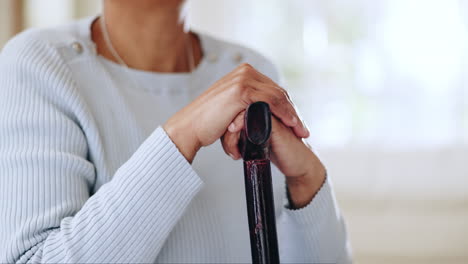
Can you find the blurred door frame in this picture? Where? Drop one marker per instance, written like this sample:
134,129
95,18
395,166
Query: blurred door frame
11,19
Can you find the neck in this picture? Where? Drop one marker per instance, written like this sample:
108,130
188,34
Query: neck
147,35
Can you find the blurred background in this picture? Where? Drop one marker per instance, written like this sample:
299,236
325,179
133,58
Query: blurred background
383,86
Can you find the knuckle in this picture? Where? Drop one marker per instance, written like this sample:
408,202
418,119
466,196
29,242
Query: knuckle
242,92
246,65
244,71
283,97
281,90
242,79
239,88
246,68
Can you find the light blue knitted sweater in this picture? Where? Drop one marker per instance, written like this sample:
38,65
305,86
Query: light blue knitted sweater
87,174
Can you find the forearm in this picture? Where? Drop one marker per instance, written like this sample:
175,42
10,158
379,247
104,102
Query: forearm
130,214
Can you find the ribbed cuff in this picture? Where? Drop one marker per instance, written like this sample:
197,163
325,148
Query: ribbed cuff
315,233
322,208
158,159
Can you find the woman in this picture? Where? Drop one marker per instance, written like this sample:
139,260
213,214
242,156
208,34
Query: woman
100,123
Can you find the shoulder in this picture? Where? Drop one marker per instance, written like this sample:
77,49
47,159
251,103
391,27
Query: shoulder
39,45
35,69
37,61
241,54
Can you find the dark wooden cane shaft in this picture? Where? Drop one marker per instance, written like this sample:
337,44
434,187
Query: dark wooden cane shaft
254,147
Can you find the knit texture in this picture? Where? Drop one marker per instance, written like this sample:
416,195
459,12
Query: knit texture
88,175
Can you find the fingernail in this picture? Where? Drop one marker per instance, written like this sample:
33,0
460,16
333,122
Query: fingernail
232,156
232,127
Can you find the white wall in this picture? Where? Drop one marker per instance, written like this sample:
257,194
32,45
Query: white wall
403,207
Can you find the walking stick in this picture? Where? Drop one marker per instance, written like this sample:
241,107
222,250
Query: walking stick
254,146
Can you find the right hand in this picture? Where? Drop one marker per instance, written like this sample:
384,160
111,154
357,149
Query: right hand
207,118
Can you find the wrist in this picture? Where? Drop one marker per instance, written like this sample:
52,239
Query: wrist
303,188
184,139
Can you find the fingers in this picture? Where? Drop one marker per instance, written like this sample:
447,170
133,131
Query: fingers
229,142
279,103
238,123
249,86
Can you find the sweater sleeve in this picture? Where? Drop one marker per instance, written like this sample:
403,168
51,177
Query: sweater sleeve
47,212
315,233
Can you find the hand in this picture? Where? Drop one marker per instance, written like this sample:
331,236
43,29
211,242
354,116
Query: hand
206,119
304,172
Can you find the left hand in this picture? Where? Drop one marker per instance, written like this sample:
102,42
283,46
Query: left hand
304,172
